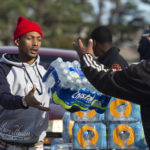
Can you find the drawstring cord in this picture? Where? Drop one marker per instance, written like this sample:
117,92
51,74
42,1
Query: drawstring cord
40,93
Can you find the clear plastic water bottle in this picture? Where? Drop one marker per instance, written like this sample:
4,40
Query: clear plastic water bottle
66,83
88,135
78,84
121,108
124,135
56,62
70,75
62,66
50,82
65,72
69,64
75,63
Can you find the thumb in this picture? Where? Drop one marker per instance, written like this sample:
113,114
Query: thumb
33,90
90,44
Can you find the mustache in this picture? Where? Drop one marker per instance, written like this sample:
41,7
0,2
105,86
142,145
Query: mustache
34,48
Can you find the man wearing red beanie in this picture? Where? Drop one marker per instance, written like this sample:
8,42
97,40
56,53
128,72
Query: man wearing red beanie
24,100
24,26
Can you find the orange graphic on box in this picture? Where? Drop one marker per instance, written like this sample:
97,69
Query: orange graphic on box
90,114
117,139
80,137
114,104
71,123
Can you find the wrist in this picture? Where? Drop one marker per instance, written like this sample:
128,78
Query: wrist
24,103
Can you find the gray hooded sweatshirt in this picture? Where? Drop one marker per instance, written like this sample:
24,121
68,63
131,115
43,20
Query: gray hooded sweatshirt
18,124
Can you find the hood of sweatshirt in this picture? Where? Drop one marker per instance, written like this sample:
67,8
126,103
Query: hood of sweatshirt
32,71
13,59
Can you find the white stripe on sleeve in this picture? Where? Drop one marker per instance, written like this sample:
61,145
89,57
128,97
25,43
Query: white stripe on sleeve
88,59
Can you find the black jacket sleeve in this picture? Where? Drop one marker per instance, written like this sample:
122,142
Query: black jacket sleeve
131,83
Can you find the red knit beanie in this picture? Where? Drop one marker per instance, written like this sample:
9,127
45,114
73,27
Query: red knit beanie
24,26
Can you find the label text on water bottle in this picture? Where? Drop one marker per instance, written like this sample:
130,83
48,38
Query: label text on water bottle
78,95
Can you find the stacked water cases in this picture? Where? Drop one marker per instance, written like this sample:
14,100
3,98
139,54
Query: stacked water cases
83,130
124,125
89,131
120,127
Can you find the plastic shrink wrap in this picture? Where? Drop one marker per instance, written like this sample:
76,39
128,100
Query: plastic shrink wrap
70,88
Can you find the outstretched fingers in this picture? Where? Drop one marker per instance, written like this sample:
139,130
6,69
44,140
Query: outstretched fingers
76,47
81,49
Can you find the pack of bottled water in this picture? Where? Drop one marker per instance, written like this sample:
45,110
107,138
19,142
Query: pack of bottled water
71,75
70,87
126,136
89,135
122,110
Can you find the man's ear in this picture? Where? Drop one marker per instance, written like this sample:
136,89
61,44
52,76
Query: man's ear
94,43
16,42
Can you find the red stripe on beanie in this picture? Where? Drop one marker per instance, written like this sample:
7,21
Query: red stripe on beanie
24,26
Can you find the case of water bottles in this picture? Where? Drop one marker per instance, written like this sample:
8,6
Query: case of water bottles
70,88
128,135
122,110
71,75
89,135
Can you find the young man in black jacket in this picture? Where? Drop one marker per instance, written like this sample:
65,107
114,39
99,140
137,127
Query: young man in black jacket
104,49
131,83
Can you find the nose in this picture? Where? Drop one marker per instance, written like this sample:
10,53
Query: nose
35,42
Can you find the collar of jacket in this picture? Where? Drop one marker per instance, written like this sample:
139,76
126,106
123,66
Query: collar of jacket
111,52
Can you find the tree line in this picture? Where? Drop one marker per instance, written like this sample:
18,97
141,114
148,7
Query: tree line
64,21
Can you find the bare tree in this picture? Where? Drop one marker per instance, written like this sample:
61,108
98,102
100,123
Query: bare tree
100,13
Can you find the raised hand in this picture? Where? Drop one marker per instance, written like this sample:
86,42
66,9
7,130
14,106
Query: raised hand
31,101
81,49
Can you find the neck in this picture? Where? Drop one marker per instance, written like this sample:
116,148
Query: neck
26,59
102,49
107,46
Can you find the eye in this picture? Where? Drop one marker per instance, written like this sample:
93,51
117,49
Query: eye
39,39
28,38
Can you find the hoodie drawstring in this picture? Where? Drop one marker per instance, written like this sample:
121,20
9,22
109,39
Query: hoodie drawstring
39,92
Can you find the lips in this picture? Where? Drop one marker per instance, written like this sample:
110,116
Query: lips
34,51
